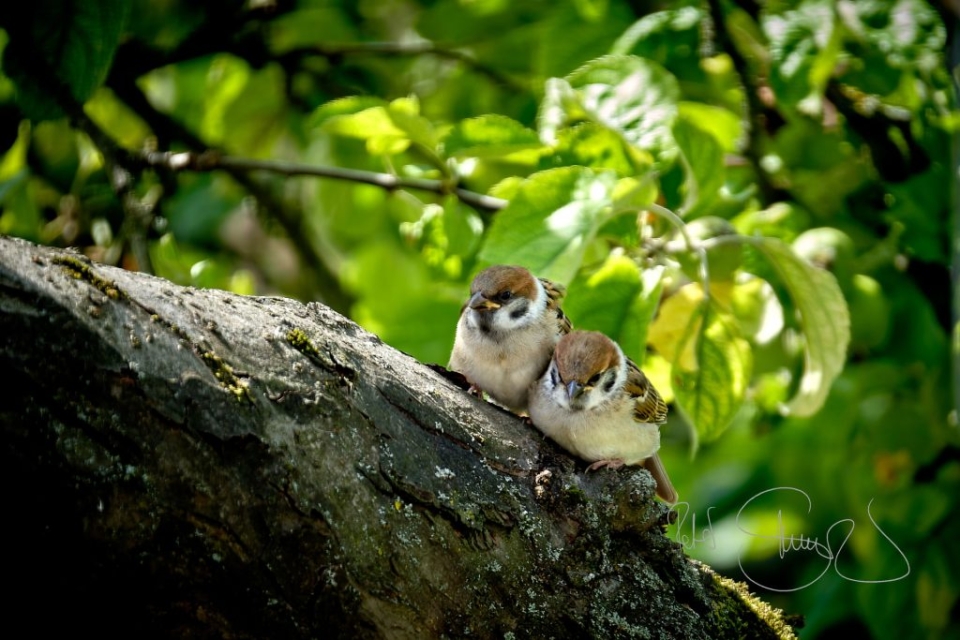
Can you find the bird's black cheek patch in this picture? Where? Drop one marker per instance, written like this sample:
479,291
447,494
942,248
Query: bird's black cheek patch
485,322
520,311
608,385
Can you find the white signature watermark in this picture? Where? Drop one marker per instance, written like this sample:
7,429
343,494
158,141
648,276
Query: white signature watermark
827,551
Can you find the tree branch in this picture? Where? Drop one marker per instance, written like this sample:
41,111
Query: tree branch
222,466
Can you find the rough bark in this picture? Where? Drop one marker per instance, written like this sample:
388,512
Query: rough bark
191,463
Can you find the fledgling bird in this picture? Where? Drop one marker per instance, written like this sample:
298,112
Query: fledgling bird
506,333
597,404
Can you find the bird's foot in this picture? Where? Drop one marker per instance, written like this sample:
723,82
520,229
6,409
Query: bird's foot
616,463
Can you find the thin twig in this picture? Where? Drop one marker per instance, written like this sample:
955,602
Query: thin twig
209,161
704,271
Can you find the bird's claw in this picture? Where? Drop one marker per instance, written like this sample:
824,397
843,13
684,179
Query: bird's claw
609,464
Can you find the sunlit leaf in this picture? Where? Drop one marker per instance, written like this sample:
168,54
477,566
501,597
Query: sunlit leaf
591,144
633,194
405,113
550,220
724,125
489,135
225,81
679,317
631,96
343,107
757,309
702,158
375,126
713,390
387,129
824,319
804,43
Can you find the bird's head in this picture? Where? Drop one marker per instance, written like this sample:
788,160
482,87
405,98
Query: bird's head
504,297
587,369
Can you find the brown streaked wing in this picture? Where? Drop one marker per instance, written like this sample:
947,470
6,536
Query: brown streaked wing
649,407
554,293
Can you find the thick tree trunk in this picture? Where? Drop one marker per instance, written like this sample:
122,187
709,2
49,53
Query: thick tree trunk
190,463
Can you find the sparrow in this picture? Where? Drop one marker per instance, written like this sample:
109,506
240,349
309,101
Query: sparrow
597,404
506,333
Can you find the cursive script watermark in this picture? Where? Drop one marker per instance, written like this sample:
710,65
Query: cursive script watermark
691,540
828,551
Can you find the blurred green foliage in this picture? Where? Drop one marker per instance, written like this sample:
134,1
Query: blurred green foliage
807,144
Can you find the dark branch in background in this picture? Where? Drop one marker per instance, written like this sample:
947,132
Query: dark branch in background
202,158
873,125
169,132
122,172
336,51
221,31
243,37
213,161
759,116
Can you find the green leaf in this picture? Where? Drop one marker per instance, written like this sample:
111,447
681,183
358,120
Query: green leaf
656,35
804,41
299,28
19,216
617,300
633,194
58,44
375,126
489,135
199,209
405,113
590,144
824,319
387,129
343,107
722,124
702,158
712,391
631,96
551,219
227,79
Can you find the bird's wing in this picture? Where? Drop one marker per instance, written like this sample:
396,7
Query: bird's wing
555,293
649,407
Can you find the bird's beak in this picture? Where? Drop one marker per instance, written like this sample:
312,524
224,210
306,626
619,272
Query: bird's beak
478,303
574,389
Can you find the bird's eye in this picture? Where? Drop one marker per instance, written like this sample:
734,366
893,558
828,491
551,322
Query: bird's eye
594,379
505,295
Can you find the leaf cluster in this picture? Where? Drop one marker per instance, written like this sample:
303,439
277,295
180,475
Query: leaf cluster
750,199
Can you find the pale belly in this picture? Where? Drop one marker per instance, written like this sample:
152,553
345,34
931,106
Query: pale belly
614,437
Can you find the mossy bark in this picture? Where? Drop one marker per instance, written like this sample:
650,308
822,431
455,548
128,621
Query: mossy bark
190,463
